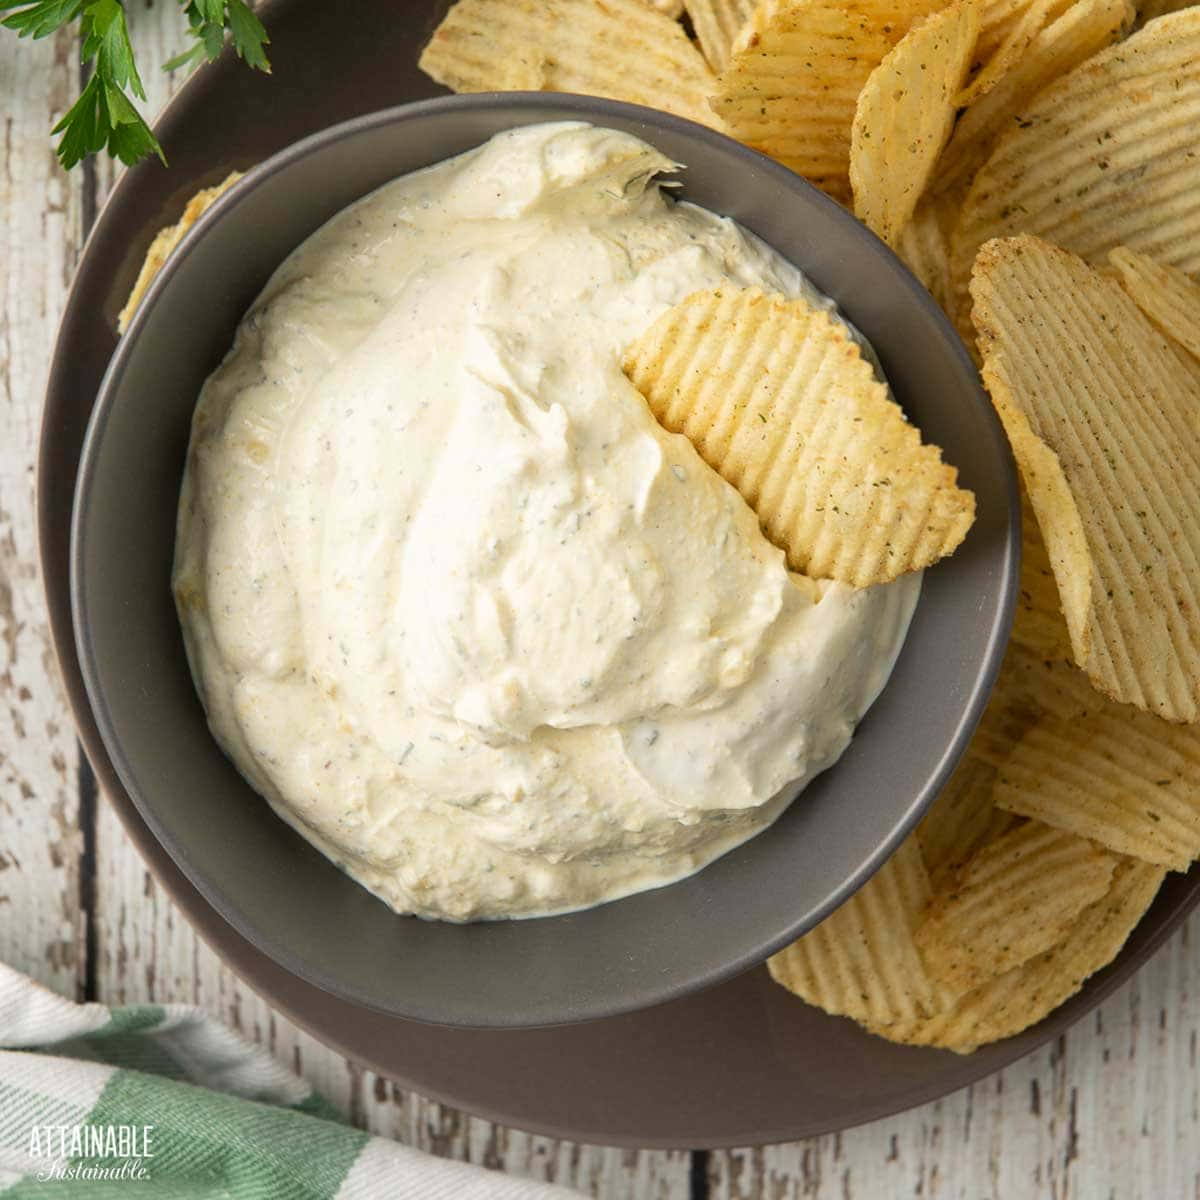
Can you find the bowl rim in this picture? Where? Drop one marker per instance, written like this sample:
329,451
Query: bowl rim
584,108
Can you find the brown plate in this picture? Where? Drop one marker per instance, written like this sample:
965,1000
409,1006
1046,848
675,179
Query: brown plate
740,1064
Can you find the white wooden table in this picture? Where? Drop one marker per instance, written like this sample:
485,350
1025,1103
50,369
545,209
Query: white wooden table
1111,1110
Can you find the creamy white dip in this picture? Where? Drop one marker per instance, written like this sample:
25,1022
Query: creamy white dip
457,606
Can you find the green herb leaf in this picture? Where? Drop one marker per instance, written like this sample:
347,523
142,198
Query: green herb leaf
104,116
129,137
213,38
106,40
41,19
208,23
211,11
249,36
186,59
80,127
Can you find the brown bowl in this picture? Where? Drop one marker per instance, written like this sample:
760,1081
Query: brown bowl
734,1065
270,884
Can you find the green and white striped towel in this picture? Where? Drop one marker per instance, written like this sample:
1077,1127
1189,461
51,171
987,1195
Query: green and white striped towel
154,1102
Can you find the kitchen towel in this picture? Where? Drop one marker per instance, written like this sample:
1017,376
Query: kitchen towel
152,1102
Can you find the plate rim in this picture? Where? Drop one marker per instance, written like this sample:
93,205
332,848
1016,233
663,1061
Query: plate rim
997,614
207,922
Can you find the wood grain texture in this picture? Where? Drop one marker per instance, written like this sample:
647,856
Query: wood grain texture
1112,1110
41,929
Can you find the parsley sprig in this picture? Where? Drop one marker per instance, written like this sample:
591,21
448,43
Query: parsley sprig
104,116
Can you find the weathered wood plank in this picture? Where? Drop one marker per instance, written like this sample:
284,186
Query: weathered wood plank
41,928
1111,1110
148,952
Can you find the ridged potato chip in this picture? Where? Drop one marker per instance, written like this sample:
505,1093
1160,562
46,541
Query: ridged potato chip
1104,157
1038,621
717,24
1031,688
1066,755
1084,29
776,397
1095,401
924,247
894,17
791,87
1013,899
962,820
1036,677
1147,10
1037,689
1164,293
669,8
622,49
1012,711
166,240
1127,780
762,15
1028,23
861,961
997,20
904,115
1006,1005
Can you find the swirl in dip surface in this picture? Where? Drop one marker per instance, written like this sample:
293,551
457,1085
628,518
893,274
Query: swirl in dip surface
457,606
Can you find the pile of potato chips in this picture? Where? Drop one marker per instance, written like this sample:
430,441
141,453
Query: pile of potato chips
1037,165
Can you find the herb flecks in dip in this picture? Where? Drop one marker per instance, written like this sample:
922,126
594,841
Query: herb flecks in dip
456,604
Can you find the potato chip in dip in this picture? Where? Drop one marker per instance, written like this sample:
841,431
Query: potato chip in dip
457,605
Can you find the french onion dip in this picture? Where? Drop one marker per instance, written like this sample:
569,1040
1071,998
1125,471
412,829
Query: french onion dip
466,615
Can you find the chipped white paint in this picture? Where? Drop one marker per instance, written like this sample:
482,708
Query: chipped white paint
40,924
1113,1110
